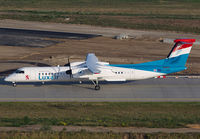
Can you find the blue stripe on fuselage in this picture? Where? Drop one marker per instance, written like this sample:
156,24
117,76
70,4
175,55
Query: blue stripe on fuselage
168,65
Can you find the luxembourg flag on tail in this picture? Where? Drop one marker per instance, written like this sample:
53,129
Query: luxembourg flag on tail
179,53
181,47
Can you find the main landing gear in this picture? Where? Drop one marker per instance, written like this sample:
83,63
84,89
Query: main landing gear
96,83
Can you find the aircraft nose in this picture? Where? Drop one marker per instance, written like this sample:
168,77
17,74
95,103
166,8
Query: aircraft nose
7,79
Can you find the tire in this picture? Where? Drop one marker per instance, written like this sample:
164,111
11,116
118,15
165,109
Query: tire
97,87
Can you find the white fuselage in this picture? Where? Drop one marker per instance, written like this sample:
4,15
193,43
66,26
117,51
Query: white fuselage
79,72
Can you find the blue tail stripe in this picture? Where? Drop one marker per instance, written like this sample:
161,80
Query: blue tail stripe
176,61
168,65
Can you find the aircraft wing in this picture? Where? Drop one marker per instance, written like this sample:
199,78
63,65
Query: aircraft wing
92,63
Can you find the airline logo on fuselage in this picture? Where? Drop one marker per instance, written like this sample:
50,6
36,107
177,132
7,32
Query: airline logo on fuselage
27,77
46,77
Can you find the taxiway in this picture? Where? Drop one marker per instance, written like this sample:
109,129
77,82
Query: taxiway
151,90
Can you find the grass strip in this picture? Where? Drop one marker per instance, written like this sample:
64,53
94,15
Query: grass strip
134,14
177,23
88,135
122,114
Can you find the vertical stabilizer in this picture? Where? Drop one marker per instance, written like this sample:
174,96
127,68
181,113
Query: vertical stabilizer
179,54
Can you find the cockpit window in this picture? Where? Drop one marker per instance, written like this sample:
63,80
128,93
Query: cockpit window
19,71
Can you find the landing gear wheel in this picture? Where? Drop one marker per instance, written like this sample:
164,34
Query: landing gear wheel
14,84
97,87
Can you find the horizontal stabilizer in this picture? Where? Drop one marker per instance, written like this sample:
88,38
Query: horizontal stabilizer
185,40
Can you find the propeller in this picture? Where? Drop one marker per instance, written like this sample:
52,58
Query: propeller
68,64
70,69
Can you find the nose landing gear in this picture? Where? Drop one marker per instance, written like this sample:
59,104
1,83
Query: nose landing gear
14,84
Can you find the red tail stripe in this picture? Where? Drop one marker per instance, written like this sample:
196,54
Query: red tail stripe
185,40
182,47
185,46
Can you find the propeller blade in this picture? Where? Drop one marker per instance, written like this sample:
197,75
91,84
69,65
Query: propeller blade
70,69
68,64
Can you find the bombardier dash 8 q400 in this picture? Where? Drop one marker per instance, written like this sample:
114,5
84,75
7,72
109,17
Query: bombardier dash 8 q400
95,71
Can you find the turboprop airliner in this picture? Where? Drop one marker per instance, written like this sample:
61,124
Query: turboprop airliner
95,71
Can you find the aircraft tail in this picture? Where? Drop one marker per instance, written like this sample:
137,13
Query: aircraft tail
174,62
179,54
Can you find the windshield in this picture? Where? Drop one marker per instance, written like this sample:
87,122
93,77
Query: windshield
19,71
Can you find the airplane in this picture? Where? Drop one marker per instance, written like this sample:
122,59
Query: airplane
94,70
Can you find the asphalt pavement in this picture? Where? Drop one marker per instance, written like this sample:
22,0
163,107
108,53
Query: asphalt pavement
151,90
36,38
